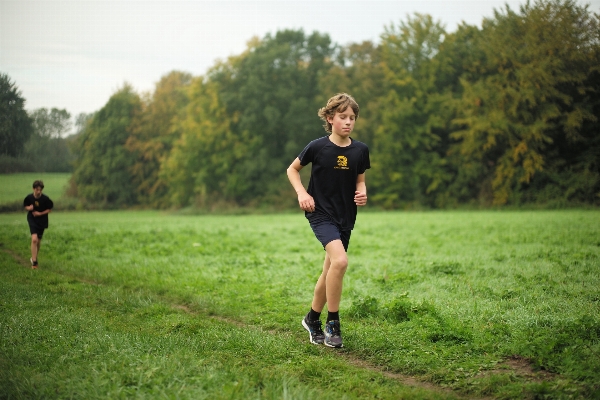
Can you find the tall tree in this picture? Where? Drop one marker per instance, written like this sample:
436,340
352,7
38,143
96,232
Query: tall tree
154,130
269,97
274,91
358,71
459,58
47,148
52,123
15,124
102,171
531,110
408,160
81,122
201,166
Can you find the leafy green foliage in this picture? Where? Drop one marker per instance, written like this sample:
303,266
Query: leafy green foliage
47,148
202,162
102,169
51,124
153,133
246,121
271,92
15,124
408,151
505,114
533,100
357,70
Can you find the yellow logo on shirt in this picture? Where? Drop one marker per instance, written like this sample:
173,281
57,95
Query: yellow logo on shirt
342,163
37,204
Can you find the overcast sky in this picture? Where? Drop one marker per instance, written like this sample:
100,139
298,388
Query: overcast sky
76,54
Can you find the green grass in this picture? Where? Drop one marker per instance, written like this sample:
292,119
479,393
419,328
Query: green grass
435,305
14,187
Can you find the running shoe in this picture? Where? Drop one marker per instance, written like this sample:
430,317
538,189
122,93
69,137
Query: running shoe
314,329
333,334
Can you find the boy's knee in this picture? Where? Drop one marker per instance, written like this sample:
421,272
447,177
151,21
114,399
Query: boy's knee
35,239
340,264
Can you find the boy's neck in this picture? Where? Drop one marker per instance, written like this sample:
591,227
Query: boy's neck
339,140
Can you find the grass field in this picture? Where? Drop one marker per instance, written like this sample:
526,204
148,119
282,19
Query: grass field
14,187
481,304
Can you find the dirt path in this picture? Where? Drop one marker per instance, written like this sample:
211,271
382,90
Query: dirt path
20,260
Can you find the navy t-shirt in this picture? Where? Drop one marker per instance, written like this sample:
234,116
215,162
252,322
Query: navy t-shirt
333,178
42,204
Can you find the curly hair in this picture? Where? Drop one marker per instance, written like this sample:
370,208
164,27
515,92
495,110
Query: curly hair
338,103
39,184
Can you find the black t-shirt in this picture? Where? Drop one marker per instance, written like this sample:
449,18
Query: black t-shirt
333,178
42,204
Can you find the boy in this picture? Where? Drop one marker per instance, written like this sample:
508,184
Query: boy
337,186
39,206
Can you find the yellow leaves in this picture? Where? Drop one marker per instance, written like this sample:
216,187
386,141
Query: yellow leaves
395,176
518,151
533,163
575,120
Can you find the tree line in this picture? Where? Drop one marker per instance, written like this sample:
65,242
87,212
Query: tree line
502,114
35,141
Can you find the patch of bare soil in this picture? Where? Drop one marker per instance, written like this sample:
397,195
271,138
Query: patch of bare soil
406,380
522,367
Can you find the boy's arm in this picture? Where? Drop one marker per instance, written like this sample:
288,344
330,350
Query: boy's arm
27,204
49,204
360,195
305,200
40,213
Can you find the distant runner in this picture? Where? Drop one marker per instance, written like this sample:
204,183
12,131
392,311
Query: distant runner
39,206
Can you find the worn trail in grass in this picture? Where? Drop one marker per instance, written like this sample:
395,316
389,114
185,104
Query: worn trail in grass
100,341
488,304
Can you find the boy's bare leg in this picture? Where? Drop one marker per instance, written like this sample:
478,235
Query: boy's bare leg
329,286
320,295
35,246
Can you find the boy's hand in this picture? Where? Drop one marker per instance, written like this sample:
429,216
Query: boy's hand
29,207
306,202
360,198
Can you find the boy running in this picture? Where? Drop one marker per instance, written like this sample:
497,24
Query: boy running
337,186
39,206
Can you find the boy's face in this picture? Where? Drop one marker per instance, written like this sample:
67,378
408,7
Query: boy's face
37,191
342,122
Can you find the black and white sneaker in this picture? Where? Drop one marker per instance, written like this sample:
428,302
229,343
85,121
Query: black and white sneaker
333,334
314,329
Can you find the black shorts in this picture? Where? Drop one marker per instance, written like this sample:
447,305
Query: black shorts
35,228
326,231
